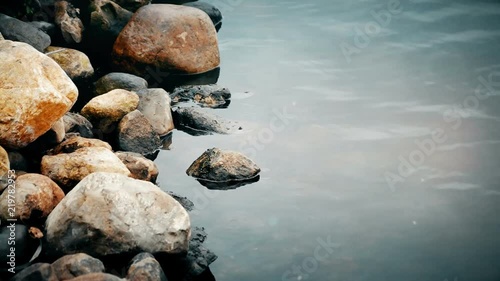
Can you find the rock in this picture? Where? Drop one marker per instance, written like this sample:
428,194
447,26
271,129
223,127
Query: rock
35,232
16,30
1,36
132,5
167,39
107,109
71,266
119,80
97,277
213,96
75,63
4,162
212,11
75,123
136,134
34,93
155,105
184,201
68,169
223,166
139,166
47,141
26,248
67,18
37,271
73,144
36,196
46,27
196,121
109,213
17,161
57,131
144,267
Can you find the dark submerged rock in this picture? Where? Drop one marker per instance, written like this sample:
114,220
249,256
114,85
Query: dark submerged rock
213,95
196,121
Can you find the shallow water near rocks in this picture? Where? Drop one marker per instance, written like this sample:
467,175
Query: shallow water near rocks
327,129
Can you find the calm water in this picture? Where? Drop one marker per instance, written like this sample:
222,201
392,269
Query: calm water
353,111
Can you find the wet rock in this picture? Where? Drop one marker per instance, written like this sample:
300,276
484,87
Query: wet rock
71,266
67,18
119,80
106,110
144,267
75,63
16,30
167,39
37,271
68,169
4,162
74,143
213,96
155,105
75,123
139,166
132,5
218,165
97,277
197,121
109,213
212,11
34,93
184,201
136,134
36,196
18,161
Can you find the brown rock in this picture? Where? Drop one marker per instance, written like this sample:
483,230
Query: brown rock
136,134
73,144
4,162
71,266
67,19
75,63
97,277
169,38
139,166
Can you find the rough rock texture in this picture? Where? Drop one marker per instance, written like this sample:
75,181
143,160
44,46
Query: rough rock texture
34,93
36,196
198,256
169,38
139,166
144,267
75,63
212,11
4,162
68,20
71,266
197,121
37,271
16,30
74,143
155,105
136,134
75,123
222,166
119,80
109,213
105,110
205,95
69,169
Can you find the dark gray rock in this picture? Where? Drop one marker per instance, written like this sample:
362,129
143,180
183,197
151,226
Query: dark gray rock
155,105
38,272
196,121
76,123
136,134
212,11
44,26
144,267
17,161
184,201
16,30
119,80
213,95
71,266
199,256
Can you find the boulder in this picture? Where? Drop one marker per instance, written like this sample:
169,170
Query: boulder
4,162
68,169
212,11
197,121
213,96
167,39
34,93
218,165
119,80
38,272
136,134
36,196
71,266
144,267
139,166
109,213
75,123
75,63
74,143
67,18
155,105
16,30
44,26
105,110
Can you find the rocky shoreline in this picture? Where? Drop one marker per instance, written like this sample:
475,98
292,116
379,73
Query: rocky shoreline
90,91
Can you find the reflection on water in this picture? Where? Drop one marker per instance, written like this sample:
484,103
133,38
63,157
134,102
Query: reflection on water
355,120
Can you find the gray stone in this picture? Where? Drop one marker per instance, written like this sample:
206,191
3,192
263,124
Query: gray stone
155,105
119,80
205,95
71,266
76,123
16,30
136,134
212,11
196,121
144,267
